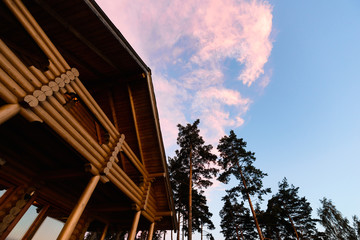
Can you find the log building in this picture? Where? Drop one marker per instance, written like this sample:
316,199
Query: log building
80,141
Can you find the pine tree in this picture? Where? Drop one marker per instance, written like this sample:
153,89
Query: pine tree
288,215
336,226
237,162
236,222
357,226
191,167
180,186
201,214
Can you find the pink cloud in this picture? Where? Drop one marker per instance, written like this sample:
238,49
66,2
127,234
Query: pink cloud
235,29
265,79
194,38
202,78
170,97
213,106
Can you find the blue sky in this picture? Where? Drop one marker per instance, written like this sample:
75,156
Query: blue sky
283,74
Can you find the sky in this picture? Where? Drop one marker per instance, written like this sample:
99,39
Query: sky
284,75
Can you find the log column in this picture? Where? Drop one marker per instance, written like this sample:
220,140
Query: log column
78,210
104,232
151,231
81,227
134,226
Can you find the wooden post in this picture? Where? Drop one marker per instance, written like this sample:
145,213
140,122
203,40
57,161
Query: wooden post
78,210
134,226
104,232
8,111
151,231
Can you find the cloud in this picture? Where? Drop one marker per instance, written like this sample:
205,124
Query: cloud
235,29
186,44
202,78
265,79
170,98
213,106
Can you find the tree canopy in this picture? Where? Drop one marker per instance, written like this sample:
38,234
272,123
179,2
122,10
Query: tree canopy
236,222
192,166
336,226
288,215
236,161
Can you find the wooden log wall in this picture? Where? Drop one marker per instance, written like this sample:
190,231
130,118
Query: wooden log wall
14,207
44,93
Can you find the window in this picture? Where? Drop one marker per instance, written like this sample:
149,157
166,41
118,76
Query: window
23,225
49,229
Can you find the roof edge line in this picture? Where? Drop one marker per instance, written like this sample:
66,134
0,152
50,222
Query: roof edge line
116,32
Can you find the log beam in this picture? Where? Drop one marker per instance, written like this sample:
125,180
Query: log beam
8,111
136,124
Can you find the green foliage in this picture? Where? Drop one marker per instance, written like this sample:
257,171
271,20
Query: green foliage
201,213
236,220
336,226
192,145
287,206
236,160
189,140
357,226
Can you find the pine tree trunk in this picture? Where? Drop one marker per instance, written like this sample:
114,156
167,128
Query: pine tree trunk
201,231
292,224
237,233
178,232
250,203
183,231
278,235
190,198
242,235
